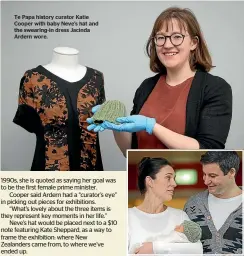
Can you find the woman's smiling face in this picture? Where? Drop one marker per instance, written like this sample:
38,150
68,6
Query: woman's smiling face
172,56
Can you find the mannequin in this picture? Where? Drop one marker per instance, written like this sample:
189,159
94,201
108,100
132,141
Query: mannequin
65,64
54,102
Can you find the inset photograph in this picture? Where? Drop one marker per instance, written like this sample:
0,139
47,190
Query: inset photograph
185,202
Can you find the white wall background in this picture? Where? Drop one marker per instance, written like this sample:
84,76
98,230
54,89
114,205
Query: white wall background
116,48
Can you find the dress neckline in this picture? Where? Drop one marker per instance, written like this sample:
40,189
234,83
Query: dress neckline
58,79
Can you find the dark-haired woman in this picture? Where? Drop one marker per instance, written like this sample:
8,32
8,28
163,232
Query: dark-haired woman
183,106
156,182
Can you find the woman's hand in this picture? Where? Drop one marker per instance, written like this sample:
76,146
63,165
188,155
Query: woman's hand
134,123
146,248
92,126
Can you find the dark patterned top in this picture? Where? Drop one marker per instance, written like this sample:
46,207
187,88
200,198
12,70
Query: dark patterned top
226,240
56,111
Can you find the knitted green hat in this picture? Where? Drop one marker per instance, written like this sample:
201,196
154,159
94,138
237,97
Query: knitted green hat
192,231
110,111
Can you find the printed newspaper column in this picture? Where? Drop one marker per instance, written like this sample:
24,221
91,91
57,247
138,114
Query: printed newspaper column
60,213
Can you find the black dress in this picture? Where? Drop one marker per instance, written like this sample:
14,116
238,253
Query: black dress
56,111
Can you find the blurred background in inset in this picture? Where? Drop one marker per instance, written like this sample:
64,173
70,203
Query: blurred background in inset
188,169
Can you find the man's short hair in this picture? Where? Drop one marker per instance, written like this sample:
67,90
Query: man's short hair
225,159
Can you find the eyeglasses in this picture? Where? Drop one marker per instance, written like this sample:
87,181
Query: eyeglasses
176,39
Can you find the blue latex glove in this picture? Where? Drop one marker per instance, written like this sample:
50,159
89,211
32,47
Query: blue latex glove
134,123
92,126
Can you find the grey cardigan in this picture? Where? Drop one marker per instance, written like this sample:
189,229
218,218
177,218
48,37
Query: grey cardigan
226,240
